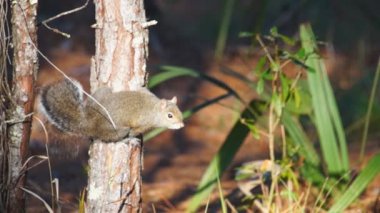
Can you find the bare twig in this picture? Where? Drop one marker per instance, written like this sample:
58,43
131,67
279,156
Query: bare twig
149,23
59,16
260,206
272,62
13,121
42,157
232,208
48,159
50,210
208,203
283,136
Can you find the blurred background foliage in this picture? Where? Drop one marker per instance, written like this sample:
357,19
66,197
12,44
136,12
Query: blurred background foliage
198,37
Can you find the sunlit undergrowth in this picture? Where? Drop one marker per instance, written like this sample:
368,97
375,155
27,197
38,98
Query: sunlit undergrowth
292,90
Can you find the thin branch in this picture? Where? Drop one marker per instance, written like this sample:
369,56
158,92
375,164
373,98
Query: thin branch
369,111
42,157
272,62
59,16
14,121
48,208
149,23
48,158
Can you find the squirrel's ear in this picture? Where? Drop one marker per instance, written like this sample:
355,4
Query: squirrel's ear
174,100
163,104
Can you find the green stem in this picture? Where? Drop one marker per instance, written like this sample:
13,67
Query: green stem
223,31
369,111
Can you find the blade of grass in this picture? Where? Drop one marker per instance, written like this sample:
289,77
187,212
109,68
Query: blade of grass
223,31
224,156
221,197
170,72
369,110
323,123
174,71
326,114
357,187
82,204
336,119
207,204
300,139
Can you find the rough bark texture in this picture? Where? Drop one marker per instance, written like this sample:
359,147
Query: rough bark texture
114,183
21,103
121,45
4,103
115,177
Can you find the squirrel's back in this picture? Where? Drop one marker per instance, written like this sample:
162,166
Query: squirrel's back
62,104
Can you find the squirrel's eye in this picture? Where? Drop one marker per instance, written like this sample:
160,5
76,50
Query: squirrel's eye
170,115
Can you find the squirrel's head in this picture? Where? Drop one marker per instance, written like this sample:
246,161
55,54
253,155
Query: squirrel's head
172,116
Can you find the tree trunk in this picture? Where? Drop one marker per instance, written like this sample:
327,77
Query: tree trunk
20,104
4,104
114,183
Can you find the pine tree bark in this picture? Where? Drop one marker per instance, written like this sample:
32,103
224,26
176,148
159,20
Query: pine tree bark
20,104
114,183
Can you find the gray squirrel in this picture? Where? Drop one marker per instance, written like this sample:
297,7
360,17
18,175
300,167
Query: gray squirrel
133,112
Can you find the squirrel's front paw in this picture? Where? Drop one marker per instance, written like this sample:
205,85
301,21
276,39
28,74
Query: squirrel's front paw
132,141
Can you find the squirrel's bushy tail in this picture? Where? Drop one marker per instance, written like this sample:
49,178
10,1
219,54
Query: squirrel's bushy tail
62,103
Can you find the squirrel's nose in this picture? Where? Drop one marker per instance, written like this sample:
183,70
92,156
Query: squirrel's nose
176,126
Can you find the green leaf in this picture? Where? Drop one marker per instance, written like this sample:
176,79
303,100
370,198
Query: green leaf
224,27
250,123
277,103
284,87
357,187
224,156
170,72
285,39
273,31
300,54
246,34
313,174
299,102
260,65
297,98
327,118
267,75
275,67
260,86
174,71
